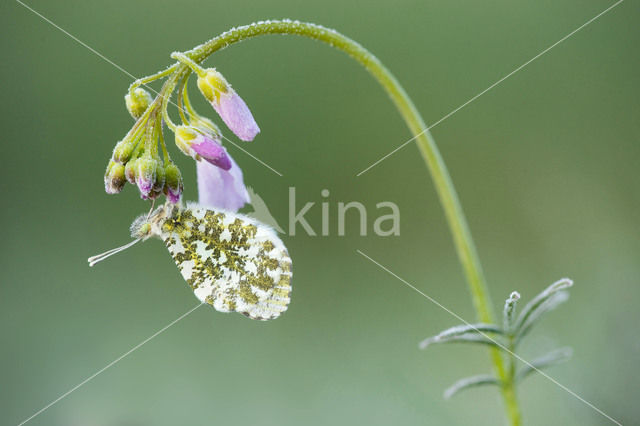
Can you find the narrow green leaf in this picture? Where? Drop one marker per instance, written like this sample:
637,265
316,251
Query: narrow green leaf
552,358
469,382
470,328
548,305
509,311
539,300
460,338
467,330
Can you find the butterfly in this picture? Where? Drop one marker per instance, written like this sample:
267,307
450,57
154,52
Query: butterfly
231,261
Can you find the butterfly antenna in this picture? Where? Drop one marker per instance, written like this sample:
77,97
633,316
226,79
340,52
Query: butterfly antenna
102,256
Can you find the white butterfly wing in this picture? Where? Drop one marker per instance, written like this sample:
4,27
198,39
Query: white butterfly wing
231,261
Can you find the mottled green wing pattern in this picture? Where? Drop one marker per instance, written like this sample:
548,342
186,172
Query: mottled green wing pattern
230,261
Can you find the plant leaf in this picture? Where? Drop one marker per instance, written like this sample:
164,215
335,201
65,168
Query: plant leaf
471,333
539,300
554,357
469,382
461,338
509,312
548,305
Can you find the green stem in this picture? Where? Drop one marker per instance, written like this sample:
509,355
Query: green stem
509,386
165,154
189,62
444,186
187,102
165,103
150,145
150,78
181,95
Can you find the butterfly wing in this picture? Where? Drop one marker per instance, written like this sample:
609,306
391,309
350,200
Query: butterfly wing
230,261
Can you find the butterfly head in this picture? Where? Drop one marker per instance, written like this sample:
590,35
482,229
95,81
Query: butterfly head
145,226
142,227
148,225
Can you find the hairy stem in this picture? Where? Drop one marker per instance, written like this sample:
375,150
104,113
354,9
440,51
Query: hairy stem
444,186
509,386
150,78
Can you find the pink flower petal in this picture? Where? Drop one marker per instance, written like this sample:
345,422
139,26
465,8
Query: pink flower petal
213,152
221,189
173,196
236,115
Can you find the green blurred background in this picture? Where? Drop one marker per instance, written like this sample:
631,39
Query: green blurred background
546,165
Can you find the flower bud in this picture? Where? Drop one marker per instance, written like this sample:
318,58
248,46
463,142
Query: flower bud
229,106
137,102
212,84
130,171
145,172
201,145
184,136
123,150
114,179
173,183
158,185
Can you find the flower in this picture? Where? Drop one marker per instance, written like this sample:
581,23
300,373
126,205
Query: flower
123,150
221,189
130,171
173,183
114,178
198,143
145,174
137,102
229,106
220,182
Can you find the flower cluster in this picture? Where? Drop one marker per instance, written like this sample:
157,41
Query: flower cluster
138,160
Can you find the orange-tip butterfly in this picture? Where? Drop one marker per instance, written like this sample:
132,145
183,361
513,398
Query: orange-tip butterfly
231,261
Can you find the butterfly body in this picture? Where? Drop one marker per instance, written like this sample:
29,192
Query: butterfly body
230,261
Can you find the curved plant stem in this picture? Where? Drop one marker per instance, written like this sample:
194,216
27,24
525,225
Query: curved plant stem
153,77
444,186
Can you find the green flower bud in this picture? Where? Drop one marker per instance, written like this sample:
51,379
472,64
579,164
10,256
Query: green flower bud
137,102
158,185
185,135
173,183
212,84
114,178
130,171
123,150
145,171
